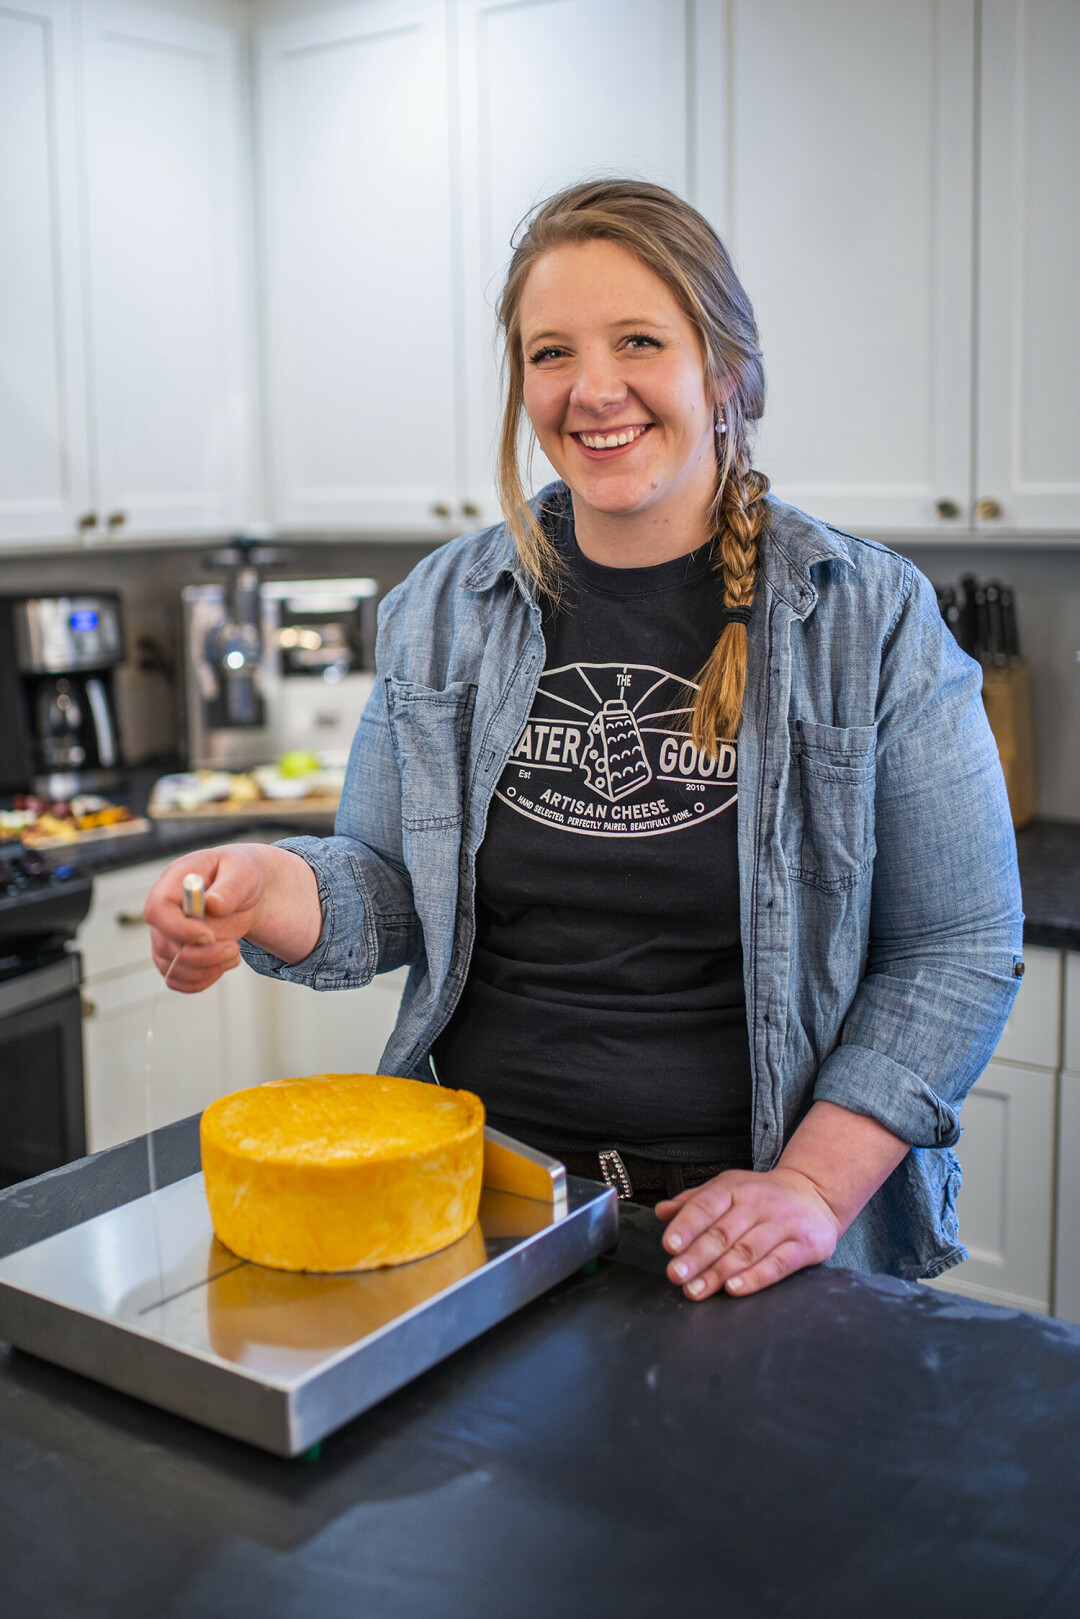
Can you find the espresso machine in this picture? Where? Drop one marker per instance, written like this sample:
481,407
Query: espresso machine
58,655
274,665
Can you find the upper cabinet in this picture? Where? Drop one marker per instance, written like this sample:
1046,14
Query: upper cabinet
846,194
551,92
362,334
126,405
1028,405
899,186
44,473
166,222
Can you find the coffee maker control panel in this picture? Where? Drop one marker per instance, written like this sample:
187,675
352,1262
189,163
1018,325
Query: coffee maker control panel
63,634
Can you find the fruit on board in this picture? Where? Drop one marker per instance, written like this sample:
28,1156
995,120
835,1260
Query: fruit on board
342,1172
298,762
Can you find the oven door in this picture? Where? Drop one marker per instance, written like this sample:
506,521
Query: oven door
41,1069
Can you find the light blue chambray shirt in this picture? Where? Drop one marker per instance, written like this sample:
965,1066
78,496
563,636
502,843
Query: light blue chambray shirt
879,894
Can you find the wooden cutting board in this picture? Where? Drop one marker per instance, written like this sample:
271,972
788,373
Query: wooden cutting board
248,809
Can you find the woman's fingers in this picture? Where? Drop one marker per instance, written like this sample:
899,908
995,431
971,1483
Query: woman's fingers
780,1260
196,966
732,1243
700,1208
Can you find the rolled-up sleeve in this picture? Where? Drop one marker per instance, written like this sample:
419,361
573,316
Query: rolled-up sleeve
946,925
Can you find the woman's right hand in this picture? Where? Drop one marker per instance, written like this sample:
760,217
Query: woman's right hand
235,880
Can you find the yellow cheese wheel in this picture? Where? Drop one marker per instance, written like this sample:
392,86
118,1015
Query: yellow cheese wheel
342,1171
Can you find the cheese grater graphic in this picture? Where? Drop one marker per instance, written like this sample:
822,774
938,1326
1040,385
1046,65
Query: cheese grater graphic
615,762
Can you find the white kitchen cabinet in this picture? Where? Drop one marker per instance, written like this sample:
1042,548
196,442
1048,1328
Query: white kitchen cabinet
44,470
848,204
551,92
1067,1245
360,329
1028,404
245,1030
167,220
1008,1152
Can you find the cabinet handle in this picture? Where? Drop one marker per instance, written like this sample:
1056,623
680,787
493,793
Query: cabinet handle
440,509
88,1007
87,521
116,520
947,509
988,508
130,919
469,508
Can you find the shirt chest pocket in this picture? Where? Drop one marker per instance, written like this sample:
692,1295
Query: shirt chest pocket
834,766
430,731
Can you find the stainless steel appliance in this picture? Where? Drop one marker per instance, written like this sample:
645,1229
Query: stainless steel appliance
57,657
273,665
41,1070
145,1299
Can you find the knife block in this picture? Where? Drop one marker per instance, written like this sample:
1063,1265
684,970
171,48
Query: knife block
1007,699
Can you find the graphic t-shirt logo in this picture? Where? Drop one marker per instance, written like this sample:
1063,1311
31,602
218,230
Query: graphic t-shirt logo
606,752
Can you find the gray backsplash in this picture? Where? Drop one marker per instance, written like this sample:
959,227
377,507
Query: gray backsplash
1046,580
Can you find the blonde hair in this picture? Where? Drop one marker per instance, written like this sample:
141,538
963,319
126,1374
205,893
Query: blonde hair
679,245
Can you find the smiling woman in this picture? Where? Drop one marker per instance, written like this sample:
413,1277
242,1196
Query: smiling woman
655,793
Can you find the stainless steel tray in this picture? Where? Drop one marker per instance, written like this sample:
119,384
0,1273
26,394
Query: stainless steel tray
145,1299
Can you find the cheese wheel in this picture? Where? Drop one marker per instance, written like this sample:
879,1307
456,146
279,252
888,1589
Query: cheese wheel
342,1171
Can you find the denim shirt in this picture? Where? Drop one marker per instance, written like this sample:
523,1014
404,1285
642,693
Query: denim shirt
879,894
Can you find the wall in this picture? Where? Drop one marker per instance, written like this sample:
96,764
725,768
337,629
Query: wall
149,581
1046,579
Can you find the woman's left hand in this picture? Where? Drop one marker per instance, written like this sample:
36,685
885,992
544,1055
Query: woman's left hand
746,1230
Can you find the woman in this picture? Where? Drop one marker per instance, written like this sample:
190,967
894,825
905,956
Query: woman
770,1014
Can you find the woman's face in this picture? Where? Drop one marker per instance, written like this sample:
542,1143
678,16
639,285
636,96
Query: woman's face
615,389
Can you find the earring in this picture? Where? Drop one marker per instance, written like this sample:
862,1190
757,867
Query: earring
721,424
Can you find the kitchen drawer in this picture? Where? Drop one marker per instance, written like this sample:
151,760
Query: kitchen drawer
1032,1035
114,935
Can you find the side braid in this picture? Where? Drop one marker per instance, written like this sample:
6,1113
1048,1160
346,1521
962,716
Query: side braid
741,517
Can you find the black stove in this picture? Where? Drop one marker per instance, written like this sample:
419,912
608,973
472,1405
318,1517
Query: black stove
41,1071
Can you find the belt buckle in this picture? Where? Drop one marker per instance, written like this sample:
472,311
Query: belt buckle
615,1175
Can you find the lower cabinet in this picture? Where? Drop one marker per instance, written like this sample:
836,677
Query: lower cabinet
1014,1140
152,1056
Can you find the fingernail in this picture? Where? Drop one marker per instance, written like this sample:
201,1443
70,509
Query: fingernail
674,1242
735,1284
695,1287
681,1269
205,938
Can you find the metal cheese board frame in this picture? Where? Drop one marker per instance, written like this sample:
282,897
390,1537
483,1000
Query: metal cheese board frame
145,1299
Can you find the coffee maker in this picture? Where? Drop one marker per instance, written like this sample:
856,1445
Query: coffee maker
58,655
274,665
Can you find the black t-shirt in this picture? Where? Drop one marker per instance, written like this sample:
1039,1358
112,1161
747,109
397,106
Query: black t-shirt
604,1004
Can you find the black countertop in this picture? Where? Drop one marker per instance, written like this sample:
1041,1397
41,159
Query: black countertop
1049,853
837,1446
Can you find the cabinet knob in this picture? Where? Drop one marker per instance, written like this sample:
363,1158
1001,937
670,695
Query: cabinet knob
87,521
87,1006
440,509
947,509
988,508
116,520
130,919
469,508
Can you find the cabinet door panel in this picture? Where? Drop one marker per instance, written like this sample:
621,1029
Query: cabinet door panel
44,484
1007,1153
130,1083
851,153
338,1032
1028,455
554,91
171,405
360,328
